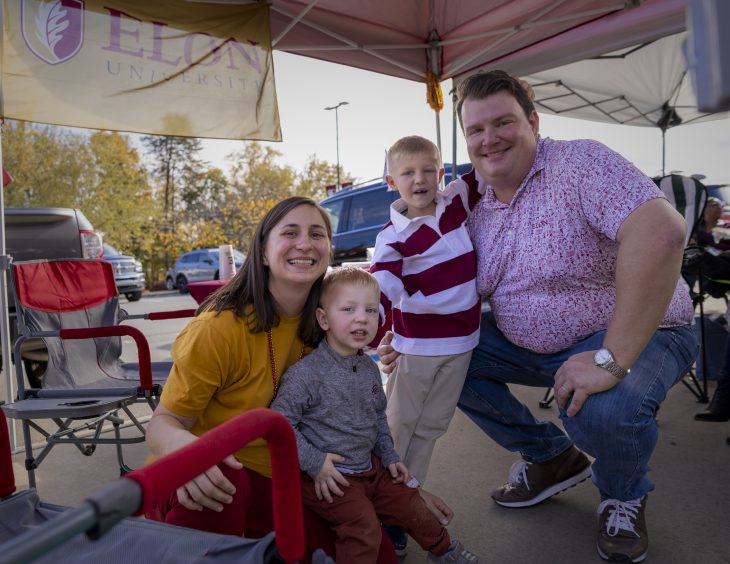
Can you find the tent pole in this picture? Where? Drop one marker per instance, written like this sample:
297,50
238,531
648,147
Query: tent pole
664,151
438,130
453,144
4,318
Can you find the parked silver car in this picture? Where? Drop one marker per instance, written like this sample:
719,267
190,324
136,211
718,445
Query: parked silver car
197,266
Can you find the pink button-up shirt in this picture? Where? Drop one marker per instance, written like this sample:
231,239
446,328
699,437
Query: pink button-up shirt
546,260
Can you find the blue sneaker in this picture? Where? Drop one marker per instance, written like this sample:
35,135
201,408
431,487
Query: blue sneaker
399,538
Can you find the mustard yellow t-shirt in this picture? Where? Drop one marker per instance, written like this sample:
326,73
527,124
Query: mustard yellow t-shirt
221,370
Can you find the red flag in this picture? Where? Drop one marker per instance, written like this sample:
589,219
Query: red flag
7,179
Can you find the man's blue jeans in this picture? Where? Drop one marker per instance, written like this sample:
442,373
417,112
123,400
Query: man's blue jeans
616,427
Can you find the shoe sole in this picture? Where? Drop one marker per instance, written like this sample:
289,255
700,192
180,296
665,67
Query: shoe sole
555,489
620,557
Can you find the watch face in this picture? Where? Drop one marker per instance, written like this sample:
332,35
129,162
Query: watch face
602,356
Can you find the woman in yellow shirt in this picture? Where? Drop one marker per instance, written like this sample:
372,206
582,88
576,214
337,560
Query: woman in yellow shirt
230,358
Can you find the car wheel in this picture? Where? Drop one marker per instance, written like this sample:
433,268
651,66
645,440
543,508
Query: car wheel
133,296
169,284
182,284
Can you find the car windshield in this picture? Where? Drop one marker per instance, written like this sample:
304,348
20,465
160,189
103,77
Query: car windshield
110,251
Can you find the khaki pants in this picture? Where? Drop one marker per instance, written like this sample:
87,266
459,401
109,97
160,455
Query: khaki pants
422,395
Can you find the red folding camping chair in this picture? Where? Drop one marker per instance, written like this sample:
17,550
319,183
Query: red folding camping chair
73,306
31,529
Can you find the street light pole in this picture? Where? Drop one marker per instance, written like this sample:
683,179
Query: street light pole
337,137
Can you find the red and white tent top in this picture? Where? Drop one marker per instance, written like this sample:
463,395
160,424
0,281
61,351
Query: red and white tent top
407,38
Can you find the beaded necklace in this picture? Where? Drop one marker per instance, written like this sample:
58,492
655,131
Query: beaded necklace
274,377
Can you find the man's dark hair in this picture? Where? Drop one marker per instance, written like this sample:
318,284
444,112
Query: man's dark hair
483,84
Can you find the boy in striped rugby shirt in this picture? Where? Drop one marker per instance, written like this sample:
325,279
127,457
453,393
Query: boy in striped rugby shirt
426,267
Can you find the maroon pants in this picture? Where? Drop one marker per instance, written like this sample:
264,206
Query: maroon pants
372,497
240,519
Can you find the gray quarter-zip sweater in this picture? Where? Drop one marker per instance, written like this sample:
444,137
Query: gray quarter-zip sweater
336,404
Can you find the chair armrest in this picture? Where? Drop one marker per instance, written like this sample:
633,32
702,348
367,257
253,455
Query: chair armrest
168,473
160,315
143,348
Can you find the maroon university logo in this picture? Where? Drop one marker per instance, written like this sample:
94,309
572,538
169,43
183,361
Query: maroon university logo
53,29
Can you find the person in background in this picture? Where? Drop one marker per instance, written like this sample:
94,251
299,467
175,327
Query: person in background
352,476
719,407
711,219
579,256
425,264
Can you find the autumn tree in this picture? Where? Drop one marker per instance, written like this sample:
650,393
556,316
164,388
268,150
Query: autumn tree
316,176
116,195
175,162
48,165
255,173
176,166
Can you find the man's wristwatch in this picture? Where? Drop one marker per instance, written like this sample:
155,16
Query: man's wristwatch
604,359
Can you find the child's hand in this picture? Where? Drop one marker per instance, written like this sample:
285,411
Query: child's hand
399,472
387,353
325,484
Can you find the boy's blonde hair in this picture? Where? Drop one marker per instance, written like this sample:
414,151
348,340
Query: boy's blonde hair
347,275
412,145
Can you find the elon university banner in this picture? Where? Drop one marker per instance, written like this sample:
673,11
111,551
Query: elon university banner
167,67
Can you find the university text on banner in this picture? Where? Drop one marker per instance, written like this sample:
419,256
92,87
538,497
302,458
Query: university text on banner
167,67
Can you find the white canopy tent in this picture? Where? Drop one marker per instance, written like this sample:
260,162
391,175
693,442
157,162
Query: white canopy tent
643,85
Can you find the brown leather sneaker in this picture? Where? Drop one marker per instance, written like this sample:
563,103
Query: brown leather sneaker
622,535
531,482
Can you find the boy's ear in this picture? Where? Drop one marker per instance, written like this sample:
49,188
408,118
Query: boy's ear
442,170
391,182
322,319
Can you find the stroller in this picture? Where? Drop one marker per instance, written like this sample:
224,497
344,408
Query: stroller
31,530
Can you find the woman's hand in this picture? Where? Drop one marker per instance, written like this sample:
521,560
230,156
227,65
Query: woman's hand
579,378
209,490
399,472
387,354
325,483
167,432
437,506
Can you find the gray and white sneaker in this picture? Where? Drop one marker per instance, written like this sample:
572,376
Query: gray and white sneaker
456,554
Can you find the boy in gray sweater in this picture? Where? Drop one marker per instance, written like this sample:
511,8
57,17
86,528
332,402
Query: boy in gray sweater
352,477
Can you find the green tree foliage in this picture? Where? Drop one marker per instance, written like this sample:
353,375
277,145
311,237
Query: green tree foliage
100,174
116,195
48,165
179,204
176,166
316,176
256,174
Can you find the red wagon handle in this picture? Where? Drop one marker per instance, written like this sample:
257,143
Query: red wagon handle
183,465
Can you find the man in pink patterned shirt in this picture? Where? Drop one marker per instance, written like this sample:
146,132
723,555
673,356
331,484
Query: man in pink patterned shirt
578,254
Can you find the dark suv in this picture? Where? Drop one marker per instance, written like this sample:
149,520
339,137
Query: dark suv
359,213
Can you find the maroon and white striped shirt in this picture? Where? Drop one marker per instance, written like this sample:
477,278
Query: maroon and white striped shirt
426,267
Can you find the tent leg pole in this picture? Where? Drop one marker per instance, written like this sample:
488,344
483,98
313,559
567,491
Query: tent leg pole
453,143
664,152
438,130
4,318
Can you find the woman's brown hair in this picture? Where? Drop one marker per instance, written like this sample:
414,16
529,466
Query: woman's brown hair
247,294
